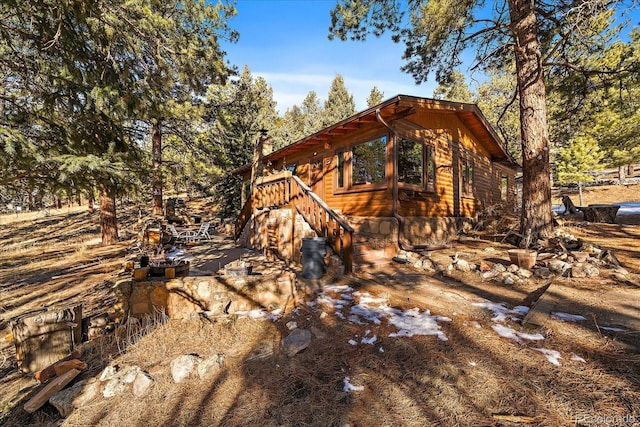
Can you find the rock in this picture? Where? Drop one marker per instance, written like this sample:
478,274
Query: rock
580,256
485,266
543,273
593,250
489,249
513,268
509,280
184,367
500,268
63,400
524,273
427,265
296,341
591,271
108,373
115,387
118,379
88,393
558,266
490,274
209,367
292,325
418,264
463,265
128,374
580,270
142,384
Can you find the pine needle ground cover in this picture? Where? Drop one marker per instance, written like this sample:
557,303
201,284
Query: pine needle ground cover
472,364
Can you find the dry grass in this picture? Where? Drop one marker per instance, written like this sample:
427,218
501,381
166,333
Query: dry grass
464,381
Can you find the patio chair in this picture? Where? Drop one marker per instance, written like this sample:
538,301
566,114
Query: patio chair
182,237
202,233
196,236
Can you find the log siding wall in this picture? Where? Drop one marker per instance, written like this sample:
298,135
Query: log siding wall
452,141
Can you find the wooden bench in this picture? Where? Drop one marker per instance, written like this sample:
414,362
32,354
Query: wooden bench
600,213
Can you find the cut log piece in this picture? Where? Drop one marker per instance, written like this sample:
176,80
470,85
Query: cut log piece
540,311
49,390
50,371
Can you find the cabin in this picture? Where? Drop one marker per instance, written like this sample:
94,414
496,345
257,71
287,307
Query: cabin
404,174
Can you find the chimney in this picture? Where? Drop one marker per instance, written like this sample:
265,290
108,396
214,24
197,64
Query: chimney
264,147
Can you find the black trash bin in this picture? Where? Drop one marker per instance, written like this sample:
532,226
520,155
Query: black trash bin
313,252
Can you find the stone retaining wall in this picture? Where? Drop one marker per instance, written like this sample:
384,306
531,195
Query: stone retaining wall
271,229
215,295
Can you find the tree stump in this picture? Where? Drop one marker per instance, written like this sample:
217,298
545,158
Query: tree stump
45,337
600,213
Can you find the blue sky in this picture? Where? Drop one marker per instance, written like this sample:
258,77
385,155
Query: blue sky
286,42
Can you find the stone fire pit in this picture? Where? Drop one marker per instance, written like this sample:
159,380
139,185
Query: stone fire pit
159,268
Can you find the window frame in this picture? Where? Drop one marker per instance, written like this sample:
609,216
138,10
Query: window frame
467,176
428,156
348,162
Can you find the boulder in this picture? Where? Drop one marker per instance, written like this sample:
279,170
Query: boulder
210,367
184,367
142,384
296,341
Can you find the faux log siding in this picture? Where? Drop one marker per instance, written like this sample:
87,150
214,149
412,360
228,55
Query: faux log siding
449,136
361,201
451,140
498,171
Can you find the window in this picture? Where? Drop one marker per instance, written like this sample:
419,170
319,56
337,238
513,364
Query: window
293,169
431,168
410,162
368,162
467,176
341,170
504,187
412,158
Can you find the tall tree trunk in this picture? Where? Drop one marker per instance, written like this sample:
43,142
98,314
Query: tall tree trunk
108,220
156,175
536,220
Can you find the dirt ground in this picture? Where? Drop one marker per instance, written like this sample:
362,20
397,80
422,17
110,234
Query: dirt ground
475,377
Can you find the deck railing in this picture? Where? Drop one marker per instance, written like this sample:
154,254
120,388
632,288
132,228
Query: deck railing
286,189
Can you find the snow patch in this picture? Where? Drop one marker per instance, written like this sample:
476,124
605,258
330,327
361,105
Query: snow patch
577,358
507,332
348,387
568,317
552,355
500,311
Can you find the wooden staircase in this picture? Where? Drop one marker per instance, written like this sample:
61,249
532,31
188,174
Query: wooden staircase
284,189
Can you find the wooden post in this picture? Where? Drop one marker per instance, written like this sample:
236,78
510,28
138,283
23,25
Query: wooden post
347,252
293,232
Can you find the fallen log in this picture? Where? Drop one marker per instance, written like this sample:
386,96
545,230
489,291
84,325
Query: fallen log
49,390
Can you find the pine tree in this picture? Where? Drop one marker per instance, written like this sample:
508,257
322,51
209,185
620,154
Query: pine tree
313,114
581,156
339,104
375,97
242,109
532,35
454,88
